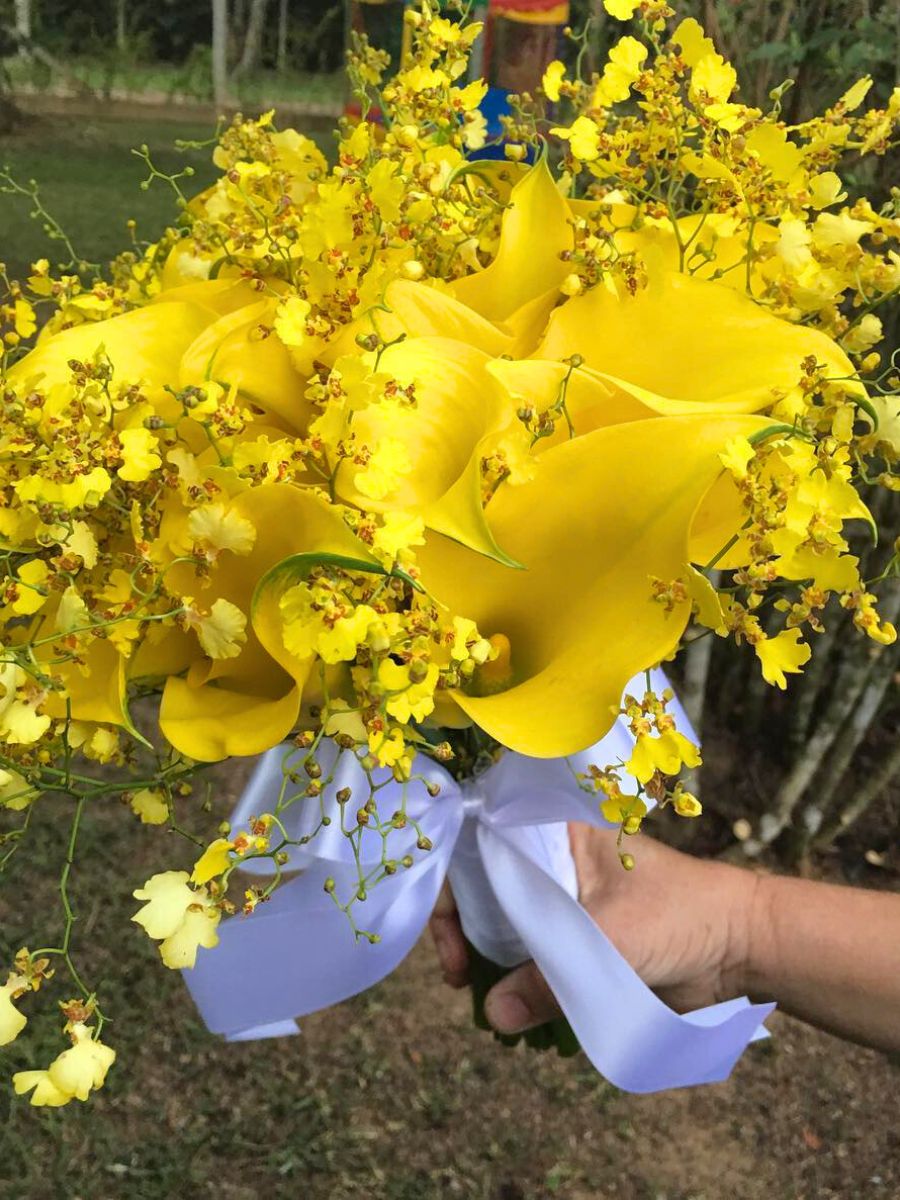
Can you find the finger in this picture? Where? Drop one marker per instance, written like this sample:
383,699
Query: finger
596,856
449,941
520,1000
446,902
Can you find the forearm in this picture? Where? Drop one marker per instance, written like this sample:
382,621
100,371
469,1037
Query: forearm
829,955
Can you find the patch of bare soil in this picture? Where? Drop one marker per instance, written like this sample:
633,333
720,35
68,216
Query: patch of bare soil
395,1095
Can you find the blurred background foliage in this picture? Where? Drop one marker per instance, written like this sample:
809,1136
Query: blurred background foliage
820,44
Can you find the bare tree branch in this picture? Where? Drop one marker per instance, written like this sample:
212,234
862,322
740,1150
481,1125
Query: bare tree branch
832,776
863,798
852,679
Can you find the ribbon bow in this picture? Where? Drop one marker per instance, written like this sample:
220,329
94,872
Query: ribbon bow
502,839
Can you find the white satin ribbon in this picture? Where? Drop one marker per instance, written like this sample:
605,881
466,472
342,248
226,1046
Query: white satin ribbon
503,840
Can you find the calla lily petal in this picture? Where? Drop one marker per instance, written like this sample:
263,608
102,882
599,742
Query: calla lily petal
162,652
211,723
218,296
534,232
288,521
528,324
459,514
241,350
711,345
415,310
96,691
458,405
590,400
630,493
719,517
143,345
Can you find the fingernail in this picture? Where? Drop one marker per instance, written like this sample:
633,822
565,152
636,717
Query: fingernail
507,1012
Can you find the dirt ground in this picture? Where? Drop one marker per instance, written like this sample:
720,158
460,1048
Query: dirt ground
394,1095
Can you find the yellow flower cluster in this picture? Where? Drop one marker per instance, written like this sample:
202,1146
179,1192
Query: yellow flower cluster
404,443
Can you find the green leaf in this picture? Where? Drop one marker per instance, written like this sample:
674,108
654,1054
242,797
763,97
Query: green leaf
299,566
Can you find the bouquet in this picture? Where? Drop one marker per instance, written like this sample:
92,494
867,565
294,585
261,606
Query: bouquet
414,458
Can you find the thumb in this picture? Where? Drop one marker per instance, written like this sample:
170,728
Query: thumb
520,1000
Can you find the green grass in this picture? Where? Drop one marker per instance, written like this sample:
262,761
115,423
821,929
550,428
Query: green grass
90,182
391,1096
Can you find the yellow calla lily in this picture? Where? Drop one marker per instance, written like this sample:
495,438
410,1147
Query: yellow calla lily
603,514
711,346
590,401
415,310
225,722
162,651
202,715
719,517
534,232
527,324
144,345
96,689
443,438
219,296
241,350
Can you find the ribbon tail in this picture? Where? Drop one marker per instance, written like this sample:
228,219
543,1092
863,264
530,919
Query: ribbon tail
297,953
257,1033
628,1033
301,955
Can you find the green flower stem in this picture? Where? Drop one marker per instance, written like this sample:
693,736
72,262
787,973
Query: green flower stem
558,1034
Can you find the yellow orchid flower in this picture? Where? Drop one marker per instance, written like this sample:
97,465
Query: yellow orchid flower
214,861
782,655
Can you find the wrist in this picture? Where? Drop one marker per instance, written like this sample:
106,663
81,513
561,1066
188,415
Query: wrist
749,935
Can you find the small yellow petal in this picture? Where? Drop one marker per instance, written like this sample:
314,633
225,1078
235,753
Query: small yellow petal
782,655
213,861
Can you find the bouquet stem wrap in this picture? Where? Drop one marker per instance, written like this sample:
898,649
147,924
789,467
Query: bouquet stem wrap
502,838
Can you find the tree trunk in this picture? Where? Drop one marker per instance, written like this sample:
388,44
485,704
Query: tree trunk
220,50
853,676
121,25
282,54
23,27
764,78
862,798
11,116
696,673
833,778
812,685
256,24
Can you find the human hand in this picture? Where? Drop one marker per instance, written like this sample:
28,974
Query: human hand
683,924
